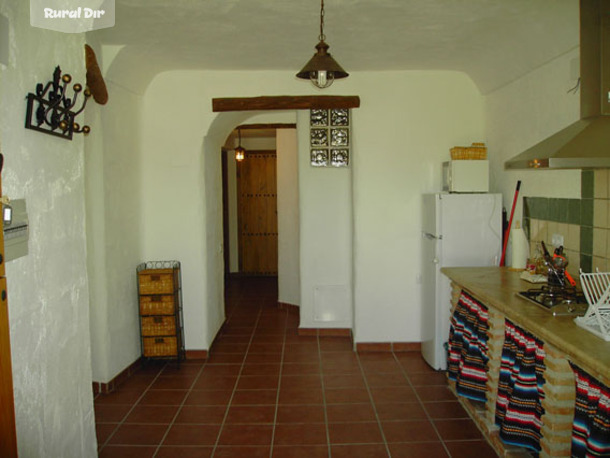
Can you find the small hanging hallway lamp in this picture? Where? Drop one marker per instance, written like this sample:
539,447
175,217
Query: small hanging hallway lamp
240,151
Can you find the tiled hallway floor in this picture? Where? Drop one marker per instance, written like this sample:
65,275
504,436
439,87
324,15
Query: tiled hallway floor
266,391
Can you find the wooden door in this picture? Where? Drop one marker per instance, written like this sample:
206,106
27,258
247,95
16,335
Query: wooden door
8,437
257,213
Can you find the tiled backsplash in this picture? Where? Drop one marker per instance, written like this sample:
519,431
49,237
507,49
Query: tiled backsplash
583,223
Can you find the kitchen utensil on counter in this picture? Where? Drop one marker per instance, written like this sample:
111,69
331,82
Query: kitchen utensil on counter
560,260
519,247
555,271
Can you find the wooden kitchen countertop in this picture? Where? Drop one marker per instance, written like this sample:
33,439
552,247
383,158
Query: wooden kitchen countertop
497,288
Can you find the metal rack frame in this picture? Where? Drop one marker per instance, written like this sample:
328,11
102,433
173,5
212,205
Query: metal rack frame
596,287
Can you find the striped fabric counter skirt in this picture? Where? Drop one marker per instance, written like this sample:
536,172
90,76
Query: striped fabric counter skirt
520,388
591,429
467,364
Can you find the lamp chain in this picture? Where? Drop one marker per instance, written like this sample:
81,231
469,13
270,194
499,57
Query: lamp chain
322,37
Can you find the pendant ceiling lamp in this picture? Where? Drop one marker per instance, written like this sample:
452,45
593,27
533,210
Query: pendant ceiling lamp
322,69
240,152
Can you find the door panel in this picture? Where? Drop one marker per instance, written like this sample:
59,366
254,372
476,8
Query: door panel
257,213
8,437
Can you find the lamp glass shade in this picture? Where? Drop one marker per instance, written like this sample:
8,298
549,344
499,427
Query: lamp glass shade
322,69
240,153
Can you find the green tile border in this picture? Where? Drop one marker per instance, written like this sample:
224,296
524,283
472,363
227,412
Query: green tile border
586,240
586,212
574,211
551,209
586,263
587,184
570,211
554,210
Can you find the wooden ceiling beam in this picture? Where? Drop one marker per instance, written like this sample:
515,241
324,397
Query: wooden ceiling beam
267,126
285,102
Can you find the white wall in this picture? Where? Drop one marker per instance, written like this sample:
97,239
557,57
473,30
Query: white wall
401,133
114,223
172,199
325,231
524,113
47,289
288,217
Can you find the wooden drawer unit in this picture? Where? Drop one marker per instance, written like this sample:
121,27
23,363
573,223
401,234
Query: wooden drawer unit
157,304
156,281
160,304
158,326
159,347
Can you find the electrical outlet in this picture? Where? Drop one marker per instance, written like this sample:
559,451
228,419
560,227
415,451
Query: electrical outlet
557,240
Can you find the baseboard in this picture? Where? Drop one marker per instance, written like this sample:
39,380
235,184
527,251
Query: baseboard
396,347
196,354
289,307
106,388
328,332
406,346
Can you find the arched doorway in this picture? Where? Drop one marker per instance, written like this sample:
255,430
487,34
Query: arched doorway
321,311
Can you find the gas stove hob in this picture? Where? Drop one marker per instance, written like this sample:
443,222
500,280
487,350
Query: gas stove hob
558,301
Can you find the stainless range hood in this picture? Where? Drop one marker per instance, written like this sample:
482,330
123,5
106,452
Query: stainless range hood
586,143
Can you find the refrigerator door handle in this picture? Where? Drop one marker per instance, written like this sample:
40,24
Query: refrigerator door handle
430,236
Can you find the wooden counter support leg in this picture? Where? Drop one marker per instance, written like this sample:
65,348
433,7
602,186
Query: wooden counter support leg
495,343
560,396
456,291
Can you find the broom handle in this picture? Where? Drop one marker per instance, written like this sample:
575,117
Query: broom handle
510,223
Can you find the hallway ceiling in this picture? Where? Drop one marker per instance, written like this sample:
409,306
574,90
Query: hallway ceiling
494,41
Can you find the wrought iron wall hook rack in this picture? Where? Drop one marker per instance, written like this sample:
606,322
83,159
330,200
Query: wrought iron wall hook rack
50,110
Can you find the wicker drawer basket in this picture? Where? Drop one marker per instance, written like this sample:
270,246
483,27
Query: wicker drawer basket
160,346
157,281
158,325
157,305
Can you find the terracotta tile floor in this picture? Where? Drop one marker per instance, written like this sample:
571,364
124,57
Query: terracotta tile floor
266,391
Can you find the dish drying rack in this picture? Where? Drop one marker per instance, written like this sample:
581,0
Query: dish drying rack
596,287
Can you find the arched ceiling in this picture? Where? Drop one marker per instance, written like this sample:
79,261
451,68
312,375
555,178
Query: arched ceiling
494,41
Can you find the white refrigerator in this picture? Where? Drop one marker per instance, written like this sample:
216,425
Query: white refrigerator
458,230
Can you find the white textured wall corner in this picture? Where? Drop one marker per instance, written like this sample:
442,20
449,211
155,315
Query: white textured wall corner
47,289
527,111
524,113
114,225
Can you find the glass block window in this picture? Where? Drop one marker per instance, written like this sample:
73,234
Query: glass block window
329,134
